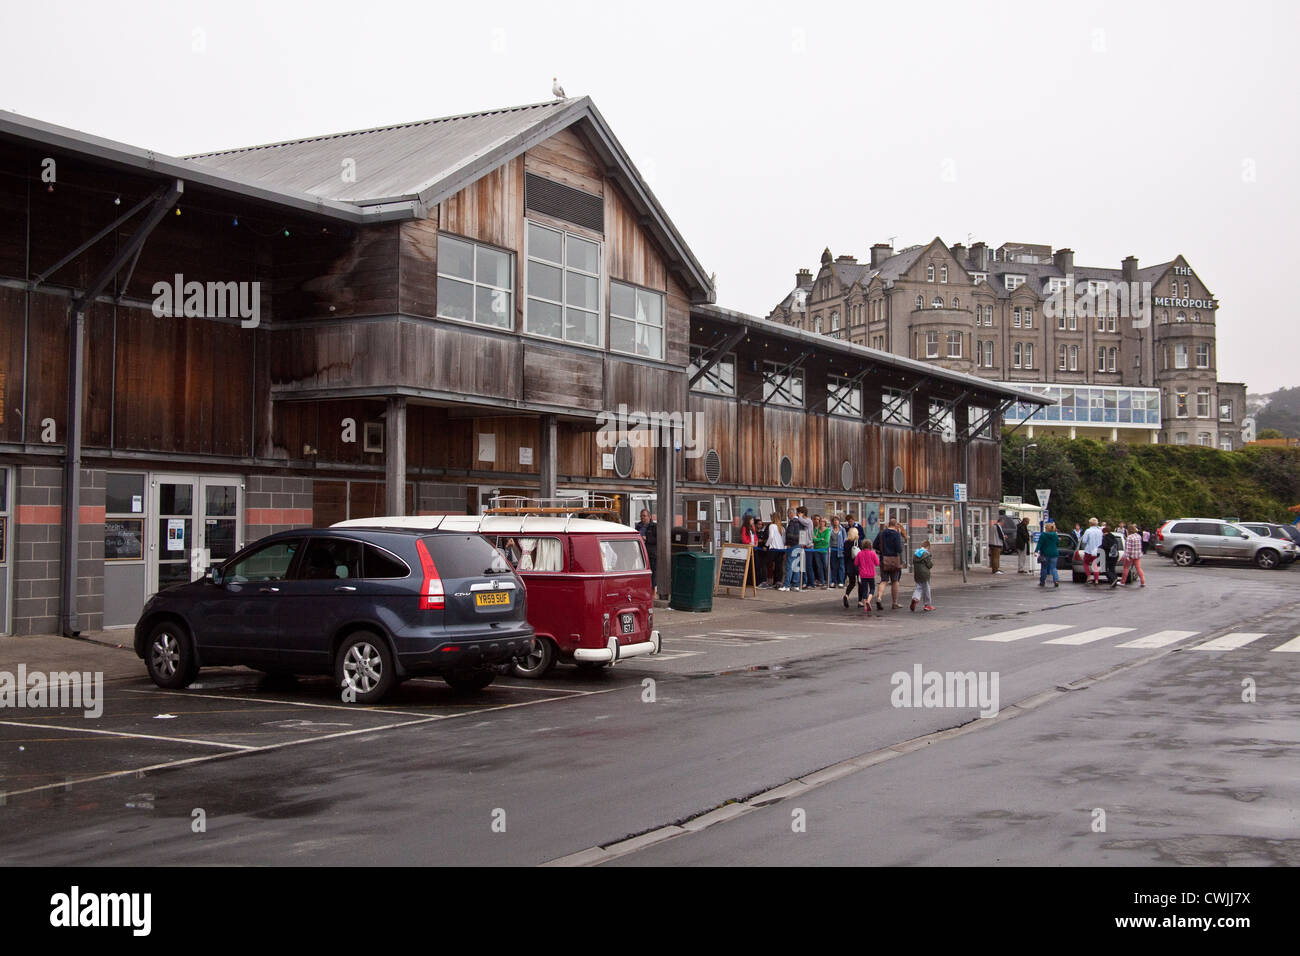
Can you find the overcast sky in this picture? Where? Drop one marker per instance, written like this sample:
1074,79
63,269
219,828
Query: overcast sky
772,130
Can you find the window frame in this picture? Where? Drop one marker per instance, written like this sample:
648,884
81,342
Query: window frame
474,283
638,290
602,285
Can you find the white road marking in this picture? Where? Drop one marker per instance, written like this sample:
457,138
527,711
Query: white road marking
1160,639
1087,637
1022,632
123,733
1292,646
663,656
1230,642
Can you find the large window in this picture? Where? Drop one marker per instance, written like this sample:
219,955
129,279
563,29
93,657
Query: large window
563,283
720,379
475,283
1202,403
1017,353
954,345
1074,358
636,320
931,344
896,407
781,386
844,399
1180,402
1225,410
1029,318
1202,355
1029,355
1180,355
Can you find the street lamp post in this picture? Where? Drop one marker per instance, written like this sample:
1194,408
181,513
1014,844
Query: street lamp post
1023,449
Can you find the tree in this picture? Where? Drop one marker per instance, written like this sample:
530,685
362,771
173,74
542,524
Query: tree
1268,434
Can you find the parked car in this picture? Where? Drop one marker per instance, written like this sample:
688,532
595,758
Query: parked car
1188,540
1078,576
1284,533
372,607
590,601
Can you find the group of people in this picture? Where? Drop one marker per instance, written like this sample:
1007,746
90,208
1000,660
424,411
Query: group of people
812,552
1102,546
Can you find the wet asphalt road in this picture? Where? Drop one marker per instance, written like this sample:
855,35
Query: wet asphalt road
530,772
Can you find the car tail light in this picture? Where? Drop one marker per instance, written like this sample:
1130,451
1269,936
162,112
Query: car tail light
432,596
604,626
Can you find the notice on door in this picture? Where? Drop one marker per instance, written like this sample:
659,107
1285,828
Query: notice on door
175,534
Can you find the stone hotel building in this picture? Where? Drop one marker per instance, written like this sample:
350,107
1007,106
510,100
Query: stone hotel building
1011,315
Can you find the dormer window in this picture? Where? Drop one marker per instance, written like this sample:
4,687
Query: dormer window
1013,282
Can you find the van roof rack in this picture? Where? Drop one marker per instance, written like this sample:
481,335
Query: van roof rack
588,506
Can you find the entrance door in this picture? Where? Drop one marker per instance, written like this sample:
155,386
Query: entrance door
903,515
195,523
979,534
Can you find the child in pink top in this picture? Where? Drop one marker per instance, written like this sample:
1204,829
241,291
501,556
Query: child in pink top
868,561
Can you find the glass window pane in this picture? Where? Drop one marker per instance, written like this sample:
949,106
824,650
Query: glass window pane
581,327
219,536
124,494
622,300
649,307
268,563
330,559
381,564
455,299
583,255
622,555
220,501
544,281
175,499
455,258
545,243
622,335
493,268
581,291
649,341
544,319
493,306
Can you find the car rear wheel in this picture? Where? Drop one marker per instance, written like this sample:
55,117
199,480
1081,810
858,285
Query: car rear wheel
539,663
1184,557
1268,559
171,659
364,668
468,682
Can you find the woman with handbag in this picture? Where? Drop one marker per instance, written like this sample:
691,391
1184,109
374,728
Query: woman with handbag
891,564
850,562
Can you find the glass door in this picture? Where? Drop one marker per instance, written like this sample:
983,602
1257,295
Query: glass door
195,521
5,548
174,500
979,534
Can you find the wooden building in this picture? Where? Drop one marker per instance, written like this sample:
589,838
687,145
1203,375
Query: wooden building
406,319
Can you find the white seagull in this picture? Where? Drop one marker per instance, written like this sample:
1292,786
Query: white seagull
556,89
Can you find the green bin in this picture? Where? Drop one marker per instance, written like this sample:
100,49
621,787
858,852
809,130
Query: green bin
692,581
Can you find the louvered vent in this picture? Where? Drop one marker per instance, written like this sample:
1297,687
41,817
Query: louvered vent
623,459
712,466
786,471
564,202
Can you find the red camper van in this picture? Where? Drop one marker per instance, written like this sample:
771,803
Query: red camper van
590,601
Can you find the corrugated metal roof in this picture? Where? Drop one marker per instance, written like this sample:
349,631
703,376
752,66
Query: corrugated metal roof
390,162
827,343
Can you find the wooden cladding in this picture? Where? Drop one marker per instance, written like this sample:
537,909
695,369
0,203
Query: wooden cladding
751,440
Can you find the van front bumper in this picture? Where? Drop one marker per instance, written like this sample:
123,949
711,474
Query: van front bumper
613,652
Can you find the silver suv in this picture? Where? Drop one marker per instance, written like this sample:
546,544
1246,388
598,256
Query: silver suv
1188,540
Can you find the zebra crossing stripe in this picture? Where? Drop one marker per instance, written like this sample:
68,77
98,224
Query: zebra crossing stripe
1160,639
1022,632
1229,642
1292,646
1087,637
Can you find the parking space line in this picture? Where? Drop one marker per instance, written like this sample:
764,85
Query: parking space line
244,750
123,733
353,708
1292,646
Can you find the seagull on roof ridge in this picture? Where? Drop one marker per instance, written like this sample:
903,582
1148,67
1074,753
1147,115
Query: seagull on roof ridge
556,89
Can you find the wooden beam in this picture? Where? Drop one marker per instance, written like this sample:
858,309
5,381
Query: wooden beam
395,457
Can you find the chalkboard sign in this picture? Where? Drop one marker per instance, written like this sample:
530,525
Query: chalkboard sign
123,539
736,568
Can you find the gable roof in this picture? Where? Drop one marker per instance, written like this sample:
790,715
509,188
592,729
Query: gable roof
428,161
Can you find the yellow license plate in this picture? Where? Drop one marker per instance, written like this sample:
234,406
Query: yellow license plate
492,598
